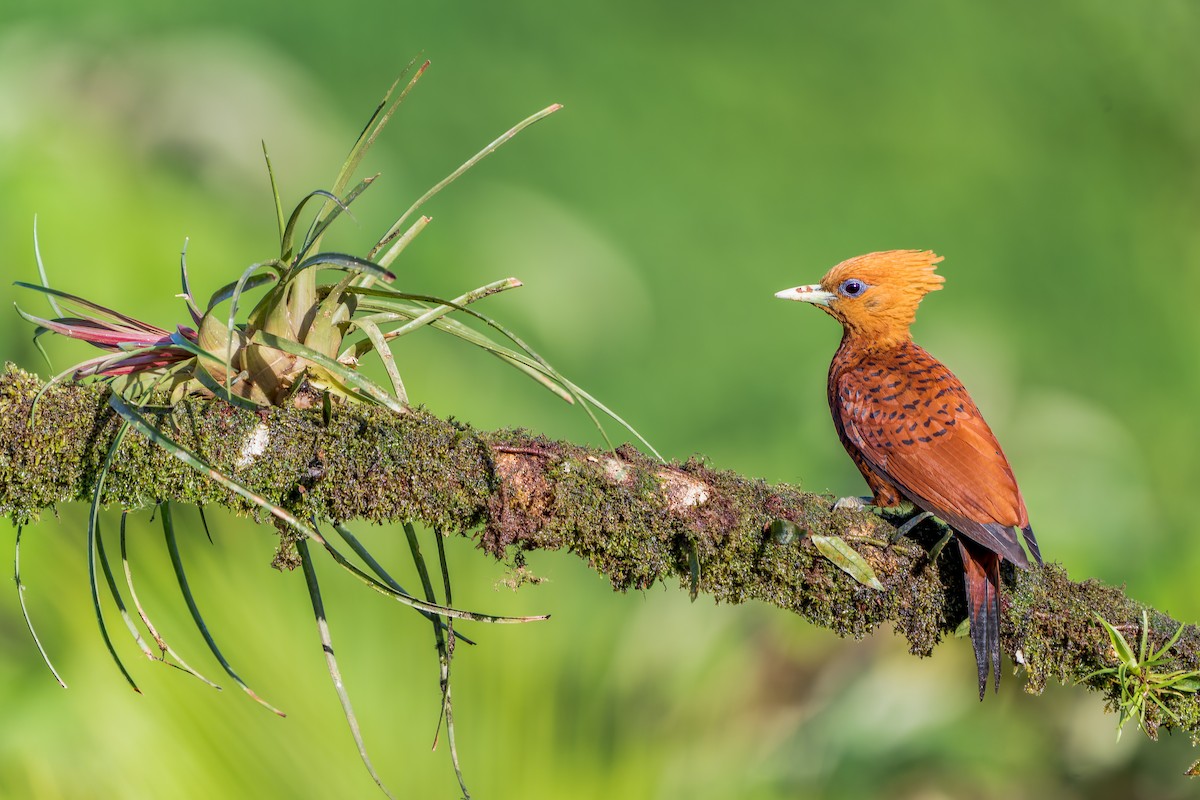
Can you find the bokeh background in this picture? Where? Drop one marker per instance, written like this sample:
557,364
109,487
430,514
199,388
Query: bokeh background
707,156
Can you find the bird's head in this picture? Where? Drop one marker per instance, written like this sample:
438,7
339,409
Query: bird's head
875,296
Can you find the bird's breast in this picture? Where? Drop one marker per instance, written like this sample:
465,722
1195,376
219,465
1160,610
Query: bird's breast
898,398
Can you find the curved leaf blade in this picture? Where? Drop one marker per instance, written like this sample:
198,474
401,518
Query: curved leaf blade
847,559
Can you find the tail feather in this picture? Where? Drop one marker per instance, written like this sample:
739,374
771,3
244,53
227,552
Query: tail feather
981,569
1031,543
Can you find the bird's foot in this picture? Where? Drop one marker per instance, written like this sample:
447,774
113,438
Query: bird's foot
854,503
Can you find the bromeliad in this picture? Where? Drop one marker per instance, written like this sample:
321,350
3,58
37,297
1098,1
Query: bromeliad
318,314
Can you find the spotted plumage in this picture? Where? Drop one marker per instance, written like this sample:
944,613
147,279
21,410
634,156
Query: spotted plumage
914,432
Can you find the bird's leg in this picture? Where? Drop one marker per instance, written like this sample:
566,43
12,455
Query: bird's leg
936,550
912,522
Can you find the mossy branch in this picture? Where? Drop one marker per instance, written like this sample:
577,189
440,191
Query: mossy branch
631,518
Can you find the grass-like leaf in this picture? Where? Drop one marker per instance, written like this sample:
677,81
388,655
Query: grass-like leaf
92,535
384,352
242,286
25,611
490,148
37,255
289,231
404,240
375,125
383,575
321,223
204,523
443,307
408,599
447,704
346,262
181,577
335,674
163,647
116,595
280,223
186,287
445,648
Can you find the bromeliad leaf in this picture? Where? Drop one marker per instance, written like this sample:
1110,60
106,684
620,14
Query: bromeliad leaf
333,375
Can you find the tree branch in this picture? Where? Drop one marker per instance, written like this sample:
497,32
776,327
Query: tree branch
631,518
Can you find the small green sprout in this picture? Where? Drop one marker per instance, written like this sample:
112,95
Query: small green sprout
1140,682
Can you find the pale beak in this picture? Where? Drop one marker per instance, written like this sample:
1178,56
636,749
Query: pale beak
809,294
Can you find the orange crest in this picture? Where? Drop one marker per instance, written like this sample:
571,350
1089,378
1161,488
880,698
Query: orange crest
890,285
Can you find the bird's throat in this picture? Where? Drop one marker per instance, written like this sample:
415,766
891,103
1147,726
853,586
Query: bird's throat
855,339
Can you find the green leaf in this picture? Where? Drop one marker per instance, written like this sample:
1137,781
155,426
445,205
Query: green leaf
847,559
162,643
25,611
363,387
186,286
228,290
375,125
286,249
37,254
431,315
344,261
1170,643
321,223
539,363
190,600
275,197
93,532
1124,651
403,241
385,354
335,674
362,552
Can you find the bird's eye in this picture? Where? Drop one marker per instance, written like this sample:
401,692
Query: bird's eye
852,287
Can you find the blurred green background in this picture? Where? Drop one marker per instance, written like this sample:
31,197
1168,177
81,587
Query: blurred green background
707,157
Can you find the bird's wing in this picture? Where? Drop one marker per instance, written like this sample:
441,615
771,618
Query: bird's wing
916,425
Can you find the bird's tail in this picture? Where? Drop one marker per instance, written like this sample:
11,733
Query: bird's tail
981,569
